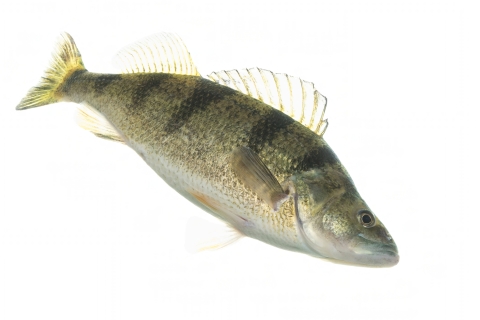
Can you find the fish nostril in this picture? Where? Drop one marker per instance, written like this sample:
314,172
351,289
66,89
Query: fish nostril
384,234
388,236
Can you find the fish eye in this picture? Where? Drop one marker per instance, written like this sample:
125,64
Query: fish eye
366,218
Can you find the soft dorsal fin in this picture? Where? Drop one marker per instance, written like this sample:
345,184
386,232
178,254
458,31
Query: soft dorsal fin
162,52
293,96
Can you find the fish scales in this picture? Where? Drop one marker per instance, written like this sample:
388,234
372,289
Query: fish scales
263,172
191,125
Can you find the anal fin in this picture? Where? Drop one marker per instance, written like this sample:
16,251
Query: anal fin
92,120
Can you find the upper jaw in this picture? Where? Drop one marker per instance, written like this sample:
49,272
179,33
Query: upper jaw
388,258
383,255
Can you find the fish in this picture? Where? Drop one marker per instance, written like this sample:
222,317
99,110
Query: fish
245,145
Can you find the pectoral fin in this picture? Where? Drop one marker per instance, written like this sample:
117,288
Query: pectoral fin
251,170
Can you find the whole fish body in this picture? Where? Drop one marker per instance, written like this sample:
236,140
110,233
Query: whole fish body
268,175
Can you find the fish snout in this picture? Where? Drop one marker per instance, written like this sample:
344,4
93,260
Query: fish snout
379,252
390,254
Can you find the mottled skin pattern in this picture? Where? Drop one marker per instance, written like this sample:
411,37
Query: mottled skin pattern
185,127
215,145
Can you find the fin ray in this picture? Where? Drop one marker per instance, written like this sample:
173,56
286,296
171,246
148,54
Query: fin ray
293,96
162,52
251,170
202,235
92,120
65,60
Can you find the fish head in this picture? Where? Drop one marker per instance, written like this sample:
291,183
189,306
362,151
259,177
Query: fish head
334,222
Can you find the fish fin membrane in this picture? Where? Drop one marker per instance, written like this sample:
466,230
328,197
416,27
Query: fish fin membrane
218,209
159,53
203,235
293,96
92,120
251,170
66,59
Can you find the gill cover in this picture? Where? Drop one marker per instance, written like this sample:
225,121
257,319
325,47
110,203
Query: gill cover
334,222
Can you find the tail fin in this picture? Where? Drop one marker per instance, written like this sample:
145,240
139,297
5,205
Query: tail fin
66,60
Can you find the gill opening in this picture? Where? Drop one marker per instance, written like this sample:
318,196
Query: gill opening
309,244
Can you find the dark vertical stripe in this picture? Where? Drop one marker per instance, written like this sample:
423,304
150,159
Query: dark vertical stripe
71,83
148,85
316,158
102,81
271,125
205,94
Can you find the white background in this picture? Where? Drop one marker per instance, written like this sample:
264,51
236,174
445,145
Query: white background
88,231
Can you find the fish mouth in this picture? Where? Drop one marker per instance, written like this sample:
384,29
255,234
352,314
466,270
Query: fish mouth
390,258
375,254
359,251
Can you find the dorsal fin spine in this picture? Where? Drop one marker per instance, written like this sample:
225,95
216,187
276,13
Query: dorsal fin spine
292,113
254,81
237,83
304,98
269,93
315,108
232,81
291,95
245,84
280,100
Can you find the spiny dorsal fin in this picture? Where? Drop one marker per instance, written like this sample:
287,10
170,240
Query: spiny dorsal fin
90,119
293,96
162,52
